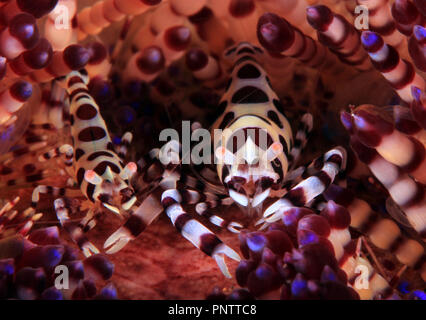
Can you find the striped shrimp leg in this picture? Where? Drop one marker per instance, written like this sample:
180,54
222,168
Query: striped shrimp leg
9,205
54,191
384,233
335,32
398,72
204,201
202,186
14,221
205,197
151,169
139,219
76,231
65,150
212,201
406,192
308,189
30,172
195,232
152,174
403,151
123,147
151,207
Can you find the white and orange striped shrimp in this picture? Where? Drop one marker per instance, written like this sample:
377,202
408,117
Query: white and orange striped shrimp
92,162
